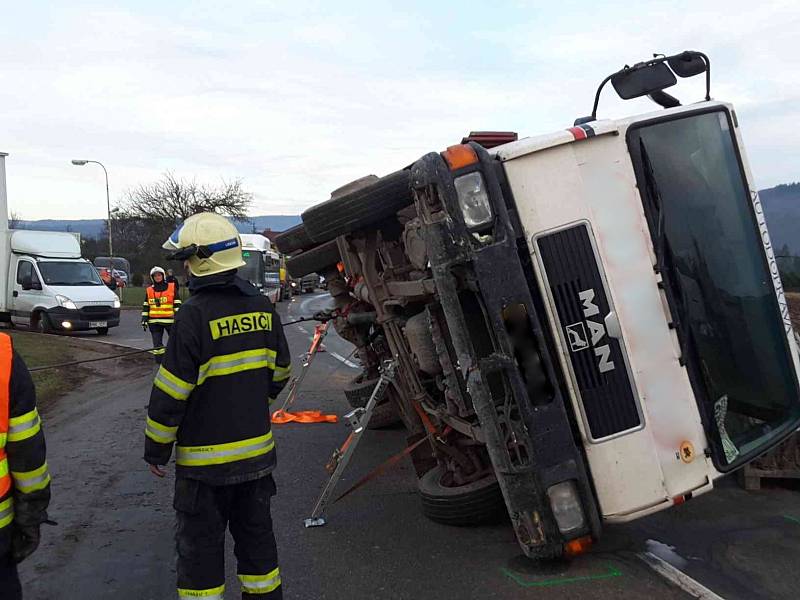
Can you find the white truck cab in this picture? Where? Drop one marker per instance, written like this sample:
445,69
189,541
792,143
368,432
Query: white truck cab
594,316
47,286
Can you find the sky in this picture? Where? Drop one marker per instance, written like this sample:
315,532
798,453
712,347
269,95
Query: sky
299,98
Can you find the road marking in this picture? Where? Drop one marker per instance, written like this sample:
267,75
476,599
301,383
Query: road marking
517,578
301,330
678,577
352,365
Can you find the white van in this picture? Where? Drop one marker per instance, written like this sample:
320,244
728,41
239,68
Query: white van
51,288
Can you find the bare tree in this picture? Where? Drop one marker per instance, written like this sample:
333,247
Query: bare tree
15,221
171,200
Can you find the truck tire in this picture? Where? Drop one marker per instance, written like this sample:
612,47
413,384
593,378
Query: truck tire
313,260
293,239
42,323
359,208
476,503
358,392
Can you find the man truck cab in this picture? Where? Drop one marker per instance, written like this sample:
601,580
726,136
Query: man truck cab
593,317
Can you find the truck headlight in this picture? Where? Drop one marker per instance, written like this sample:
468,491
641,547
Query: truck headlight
117,303
473,199
566,504
65,302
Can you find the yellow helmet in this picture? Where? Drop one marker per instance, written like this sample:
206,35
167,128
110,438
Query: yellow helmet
209,242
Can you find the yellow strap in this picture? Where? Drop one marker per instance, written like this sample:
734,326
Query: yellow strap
24,427
162,434
31,481
199,456
228,364
260,584
6,512
209,594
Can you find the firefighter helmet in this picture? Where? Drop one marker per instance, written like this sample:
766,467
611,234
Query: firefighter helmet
155,270
209,242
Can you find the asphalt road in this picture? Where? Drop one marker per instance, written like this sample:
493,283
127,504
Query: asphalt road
115,533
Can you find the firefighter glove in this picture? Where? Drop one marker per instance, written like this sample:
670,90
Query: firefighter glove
24,541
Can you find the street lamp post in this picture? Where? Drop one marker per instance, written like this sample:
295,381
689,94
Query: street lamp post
80,163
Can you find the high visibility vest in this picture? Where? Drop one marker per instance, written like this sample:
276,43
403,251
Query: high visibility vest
6,356
161,304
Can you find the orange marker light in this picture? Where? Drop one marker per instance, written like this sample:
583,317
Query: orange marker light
460,156
577,546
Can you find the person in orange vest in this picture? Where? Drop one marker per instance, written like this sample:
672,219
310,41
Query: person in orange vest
158,310
24,479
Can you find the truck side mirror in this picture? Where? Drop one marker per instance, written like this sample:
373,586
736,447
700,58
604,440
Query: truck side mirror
27,283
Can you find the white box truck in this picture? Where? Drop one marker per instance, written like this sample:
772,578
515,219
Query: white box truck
45,284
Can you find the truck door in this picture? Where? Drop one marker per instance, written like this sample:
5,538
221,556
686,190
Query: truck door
26,292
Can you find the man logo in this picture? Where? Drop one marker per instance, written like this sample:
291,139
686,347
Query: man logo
577,335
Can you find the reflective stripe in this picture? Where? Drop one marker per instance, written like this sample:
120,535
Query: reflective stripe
31,481
3,467
227,364
281,373
260,584
24,427
198,456
210,594
170,384
2,439
159,351
6,512
160,433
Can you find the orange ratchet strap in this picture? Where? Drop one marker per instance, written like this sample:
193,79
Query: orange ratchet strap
303,416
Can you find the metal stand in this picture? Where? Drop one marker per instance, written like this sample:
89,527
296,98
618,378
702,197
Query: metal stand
320,331
358,420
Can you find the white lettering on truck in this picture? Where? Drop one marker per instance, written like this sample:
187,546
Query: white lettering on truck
597,331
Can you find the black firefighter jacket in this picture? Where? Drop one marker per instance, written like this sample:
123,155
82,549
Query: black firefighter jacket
226,359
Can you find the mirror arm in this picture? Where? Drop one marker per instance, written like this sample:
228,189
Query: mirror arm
597,96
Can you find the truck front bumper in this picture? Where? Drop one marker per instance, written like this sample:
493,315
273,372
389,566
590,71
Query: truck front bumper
65,319
490,271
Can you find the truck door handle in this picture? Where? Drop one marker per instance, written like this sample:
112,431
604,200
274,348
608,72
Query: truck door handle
15,294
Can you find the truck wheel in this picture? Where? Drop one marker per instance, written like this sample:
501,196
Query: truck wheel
313,260
42,323
358,208
358,392
294,238
475,503
102,331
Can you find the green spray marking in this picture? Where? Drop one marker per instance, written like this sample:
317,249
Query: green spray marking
792,519
516,578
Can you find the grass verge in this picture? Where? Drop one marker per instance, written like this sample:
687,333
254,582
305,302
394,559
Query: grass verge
38,351
133,297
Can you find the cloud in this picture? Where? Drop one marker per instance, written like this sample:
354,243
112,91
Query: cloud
298,99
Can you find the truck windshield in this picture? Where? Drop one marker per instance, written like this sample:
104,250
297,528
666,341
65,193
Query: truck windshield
69,273
718,284
273,279
253,269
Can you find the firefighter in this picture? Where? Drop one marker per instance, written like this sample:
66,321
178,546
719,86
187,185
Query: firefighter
226,361
24,479
158,310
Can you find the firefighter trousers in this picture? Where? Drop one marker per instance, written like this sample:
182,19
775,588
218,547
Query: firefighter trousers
203,514
10,587
157,333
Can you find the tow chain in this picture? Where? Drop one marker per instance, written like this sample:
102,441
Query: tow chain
318,317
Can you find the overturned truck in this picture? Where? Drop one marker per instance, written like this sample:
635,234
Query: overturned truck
588,325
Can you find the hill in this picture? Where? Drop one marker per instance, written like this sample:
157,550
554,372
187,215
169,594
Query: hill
94,227
782,211
781,207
